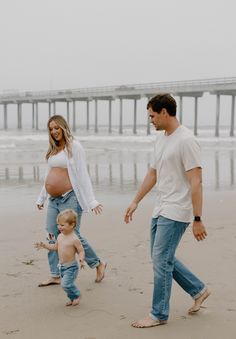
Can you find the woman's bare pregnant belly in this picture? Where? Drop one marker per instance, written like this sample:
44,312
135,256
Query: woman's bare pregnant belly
57,181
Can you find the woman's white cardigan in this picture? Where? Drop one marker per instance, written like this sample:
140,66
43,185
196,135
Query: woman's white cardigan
79,178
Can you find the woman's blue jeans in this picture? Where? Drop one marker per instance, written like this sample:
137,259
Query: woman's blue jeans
68,274
55,206
165,237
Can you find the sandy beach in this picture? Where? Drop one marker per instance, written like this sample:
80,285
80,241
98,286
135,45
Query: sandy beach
121,73
107,309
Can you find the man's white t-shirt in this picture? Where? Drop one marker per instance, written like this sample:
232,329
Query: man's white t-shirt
175,154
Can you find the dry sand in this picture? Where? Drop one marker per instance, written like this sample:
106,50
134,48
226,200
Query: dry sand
107,309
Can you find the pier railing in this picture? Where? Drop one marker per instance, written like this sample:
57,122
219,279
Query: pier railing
188,88
203,85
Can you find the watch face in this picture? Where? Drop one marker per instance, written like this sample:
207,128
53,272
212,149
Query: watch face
197,218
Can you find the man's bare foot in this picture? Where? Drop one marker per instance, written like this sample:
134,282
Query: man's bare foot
69,303
198,302
100,271
50,281
148,322
76,301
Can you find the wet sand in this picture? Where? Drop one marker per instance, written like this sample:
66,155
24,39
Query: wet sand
107,309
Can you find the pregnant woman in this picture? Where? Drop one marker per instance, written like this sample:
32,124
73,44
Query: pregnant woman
67,185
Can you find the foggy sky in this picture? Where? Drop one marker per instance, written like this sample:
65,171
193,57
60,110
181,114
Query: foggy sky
53,44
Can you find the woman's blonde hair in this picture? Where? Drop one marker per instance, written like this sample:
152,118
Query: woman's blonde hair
68,137
69,215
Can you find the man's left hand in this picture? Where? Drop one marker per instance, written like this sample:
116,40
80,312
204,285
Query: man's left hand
199,230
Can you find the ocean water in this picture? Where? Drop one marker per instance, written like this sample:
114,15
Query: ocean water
115,162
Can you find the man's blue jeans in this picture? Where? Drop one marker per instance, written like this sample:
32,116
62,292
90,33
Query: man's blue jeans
165,237
55,206
68,274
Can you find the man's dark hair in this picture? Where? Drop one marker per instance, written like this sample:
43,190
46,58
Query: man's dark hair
163,100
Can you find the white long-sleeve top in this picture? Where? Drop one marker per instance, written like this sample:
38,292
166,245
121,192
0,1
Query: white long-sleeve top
79,178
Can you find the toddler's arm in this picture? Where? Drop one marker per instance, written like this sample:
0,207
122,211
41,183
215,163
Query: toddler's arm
80,251
50,247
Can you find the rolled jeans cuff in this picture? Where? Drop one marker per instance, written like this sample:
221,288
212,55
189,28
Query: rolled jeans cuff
95,265
198,295
153,316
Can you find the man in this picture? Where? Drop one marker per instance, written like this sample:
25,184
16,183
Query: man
176,168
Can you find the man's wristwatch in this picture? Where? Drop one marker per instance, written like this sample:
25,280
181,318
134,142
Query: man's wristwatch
197,218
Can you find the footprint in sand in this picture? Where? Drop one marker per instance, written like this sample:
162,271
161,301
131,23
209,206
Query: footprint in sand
28,262
89,289
134,289
15,275
11,332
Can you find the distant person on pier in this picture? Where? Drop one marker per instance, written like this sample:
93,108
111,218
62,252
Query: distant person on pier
177,171
67,185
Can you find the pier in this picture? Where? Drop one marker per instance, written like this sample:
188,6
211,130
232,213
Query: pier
180,89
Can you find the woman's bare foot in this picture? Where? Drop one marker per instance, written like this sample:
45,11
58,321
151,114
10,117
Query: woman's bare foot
198,302
50,281
148,322
75,301
100,271
69,303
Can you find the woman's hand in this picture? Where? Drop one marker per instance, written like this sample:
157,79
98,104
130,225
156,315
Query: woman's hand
82,263
97,209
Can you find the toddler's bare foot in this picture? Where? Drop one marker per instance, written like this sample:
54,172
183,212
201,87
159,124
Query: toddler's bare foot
100,271
76,301
69,303
198,302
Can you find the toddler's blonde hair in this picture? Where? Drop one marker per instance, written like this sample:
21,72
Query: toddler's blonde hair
69,215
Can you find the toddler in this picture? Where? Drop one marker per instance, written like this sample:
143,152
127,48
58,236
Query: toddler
67,245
